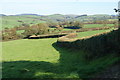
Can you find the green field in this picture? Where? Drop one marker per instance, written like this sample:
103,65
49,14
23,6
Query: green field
12,21
41,58
20,31
22,49
89,33
96,25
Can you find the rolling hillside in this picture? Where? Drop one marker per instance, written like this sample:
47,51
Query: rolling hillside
9,21
86,57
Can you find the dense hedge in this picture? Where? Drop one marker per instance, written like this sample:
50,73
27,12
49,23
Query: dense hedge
97,45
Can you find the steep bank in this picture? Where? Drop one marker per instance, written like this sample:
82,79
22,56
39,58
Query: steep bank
99,45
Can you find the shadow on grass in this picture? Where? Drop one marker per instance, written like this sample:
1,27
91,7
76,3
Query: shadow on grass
71,61
66,67
72,64
28,69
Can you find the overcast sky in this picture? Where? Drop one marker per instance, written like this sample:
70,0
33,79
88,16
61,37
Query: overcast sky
46,7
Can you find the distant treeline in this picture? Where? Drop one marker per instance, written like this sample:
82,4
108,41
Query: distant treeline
37,29
102,22
45,28
12,34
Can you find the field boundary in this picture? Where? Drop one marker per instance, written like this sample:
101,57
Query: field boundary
66,39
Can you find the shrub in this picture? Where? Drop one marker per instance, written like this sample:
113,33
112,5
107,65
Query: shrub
41,28
10,34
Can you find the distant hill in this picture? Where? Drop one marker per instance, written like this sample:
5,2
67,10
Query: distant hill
2,15
28,14
13,20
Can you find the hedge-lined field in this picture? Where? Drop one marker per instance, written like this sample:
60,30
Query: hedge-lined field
47,58
89,33
14,21
96,25
100,45
25,47
42,58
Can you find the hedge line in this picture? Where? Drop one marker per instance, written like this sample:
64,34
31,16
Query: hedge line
97,45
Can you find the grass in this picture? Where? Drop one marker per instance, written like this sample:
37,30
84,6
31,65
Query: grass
20,31
42,58
96,25
35,49
53,29
12,21
89,33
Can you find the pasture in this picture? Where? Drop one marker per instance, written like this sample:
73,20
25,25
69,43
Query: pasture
13,21
96,25
42,58
89,33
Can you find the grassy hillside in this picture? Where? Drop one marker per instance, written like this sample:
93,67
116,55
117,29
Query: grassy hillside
42,58
89,33
100,45
12,21
16,20
96,25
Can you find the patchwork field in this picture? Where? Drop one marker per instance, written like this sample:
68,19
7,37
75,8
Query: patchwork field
13,21
18,20
42,58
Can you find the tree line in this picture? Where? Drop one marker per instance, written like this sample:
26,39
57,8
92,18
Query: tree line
41,28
